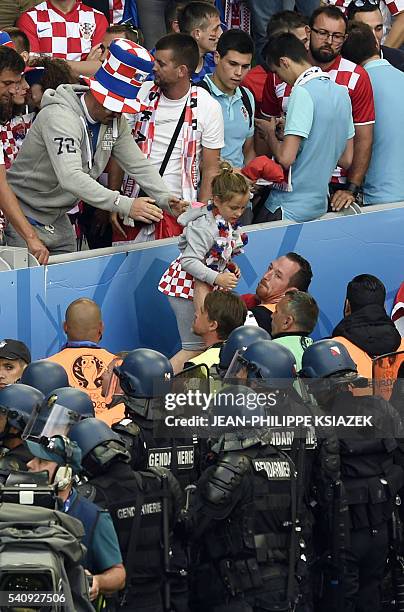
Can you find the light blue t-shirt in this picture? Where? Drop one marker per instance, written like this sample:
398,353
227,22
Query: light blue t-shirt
320,112
384,179
236,122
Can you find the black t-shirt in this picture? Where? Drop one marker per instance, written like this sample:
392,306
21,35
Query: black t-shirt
263,316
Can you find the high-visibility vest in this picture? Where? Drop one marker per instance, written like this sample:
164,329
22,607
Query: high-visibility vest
362,359
85,366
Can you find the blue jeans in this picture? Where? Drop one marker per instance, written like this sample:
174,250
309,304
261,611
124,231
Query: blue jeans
262,11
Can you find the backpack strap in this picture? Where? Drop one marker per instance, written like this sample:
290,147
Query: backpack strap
247,103
245,98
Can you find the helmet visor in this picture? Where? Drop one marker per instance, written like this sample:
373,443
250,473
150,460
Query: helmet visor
110,381
48,420
238,367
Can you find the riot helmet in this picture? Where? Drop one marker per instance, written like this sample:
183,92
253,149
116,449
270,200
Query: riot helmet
17,402
264,360
144,375
328,368
326,358
74,399
45,376
50,419
240,338
99,445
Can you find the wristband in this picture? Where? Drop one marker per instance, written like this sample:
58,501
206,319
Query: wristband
354,189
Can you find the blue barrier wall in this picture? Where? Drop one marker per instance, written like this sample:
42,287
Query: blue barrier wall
124,284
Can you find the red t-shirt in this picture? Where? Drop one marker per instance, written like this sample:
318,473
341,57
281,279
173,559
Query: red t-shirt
255,81
69,36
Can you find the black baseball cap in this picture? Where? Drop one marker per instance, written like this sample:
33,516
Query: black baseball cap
14,349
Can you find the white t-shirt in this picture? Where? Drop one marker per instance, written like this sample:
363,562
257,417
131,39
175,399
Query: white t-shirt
210,132
1,156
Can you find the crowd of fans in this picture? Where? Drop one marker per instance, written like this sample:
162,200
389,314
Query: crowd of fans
214,87
125,122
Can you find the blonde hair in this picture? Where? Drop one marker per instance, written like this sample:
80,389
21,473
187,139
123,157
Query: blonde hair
228,183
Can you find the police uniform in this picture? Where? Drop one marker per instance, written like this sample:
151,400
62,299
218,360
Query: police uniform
99,538
248,545
180,456
371,478
135,501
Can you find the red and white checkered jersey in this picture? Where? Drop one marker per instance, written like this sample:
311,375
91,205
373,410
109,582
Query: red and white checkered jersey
394,6
12,135
342,71
69,36
116,8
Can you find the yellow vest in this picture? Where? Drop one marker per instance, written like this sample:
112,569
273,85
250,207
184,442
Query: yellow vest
85,366
209,357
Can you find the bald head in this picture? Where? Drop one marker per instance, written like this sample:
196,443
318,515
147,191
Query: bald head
83,321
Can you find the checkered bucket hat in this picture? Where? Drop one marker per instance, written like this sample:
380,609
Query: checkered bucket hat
116,84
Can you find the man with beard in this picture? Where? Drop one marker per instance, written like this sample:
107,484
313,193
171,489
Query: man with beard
328,33
288,272
11,67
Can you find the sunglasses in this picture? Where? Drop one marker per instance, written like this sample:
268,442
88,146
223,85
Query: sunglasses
362,3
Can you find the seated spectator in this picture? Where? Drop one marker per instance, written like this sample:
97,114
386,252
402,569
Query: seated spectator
366,324
14,358
202,21
317,136
67,29
383,182
168,102
325,22
82,357
288,272
69,145
293,320
284,21
221,312
370,13
233,58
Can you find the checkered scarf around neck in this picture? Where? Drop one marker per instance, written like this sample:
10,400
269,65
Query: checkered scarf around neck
228,244
143,133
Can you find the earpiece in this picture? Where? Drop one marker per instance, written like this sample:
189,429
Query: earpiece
63,477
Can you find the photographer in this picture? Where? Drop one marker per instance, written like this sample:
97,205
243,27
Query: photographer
62,460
